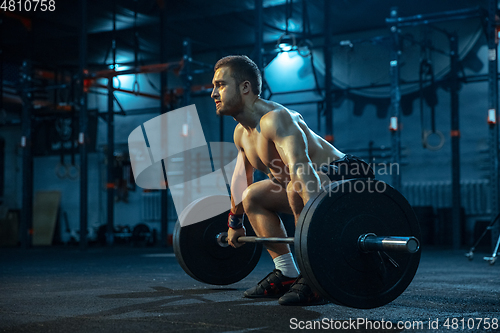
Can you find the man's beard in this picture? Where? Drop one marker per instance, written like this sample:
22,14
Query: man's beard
232,107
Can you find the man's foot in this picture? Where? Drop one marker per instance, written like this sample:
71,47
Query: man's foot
301,294
274,285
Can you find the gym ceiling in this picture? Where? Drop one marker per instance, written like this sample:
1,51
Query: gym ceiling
221,26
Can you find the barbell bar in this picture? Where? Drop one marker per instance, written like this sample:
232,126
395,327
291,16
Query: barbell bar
221,239
366,242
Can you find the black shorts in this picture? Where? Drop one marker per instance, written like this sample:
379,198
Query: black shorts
348,167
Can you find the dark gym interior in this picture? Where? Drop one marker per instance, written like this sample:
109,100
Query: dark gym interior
411,87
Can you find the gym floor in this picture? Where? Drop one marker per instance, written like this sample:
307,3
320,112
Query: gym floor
127,289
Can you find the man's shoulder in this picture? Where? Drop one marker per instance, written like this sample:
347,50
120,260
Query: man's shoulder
275,114
238,132
278,117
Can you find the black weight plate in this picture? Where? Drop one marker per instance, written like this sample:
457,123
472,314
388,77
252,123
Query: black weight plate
326,243
202,258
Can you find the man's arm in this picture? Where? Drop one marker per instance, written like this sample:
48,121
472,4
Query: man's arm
291,144
242,178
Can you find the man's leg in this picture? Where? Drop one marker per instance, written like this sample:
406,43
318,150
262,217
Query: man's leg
346,168
295,200
300,293
262,201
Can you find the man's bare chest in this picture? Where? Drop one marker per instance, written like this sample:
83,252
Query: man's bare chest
260,152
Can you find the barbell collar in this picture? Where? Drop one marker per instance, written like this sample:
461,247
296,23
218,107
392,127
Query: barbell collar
371,242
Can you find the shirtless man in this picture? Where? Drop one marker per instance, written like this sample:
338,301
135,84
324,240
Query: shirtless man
276,141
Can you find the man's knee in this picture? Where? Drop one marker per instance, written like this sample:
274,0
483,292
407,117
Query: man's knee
250,198
263,195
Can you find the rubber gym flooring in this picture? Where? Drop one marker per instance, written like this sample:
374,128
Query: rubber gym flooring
127,289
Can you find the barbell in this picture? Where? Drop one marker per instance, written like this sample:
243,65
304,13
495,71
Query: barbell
356,243
367,242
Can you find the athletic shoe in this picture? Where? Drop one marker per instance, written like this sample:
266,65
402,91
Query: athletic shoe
274,285
301,294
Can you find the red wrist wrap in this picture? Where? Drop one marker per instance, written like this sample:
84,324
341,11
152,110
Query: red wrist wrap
235,221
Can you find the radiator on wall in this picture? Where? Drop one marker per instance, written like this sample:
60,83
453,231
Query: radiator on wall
474,195
151,207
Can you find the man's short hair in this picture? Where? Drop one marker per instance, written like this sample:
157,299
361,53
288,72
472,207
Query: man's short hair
242,69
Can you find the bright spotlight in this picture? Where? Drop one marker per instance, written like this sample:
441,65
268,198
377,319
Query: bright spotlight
286,43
